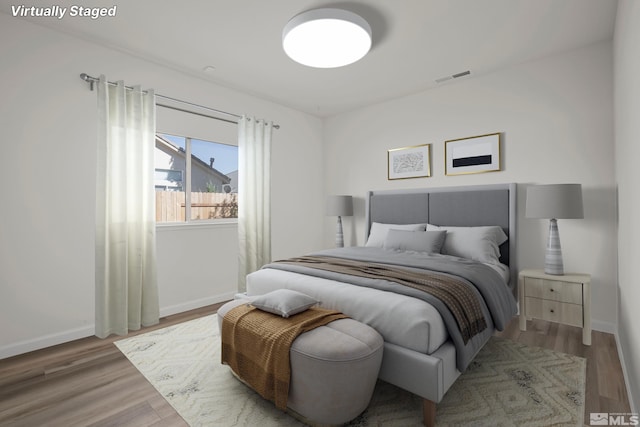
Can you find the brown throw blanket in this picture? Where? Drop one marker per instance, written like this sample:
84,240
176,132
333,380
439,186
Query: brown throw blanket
256,344
455,293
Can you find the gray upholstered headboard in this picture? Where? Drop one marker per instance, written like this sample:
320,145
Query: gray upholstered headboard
454,206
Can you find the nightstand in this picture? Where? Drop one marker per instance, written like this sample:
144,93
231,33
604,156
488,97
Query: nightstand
562,299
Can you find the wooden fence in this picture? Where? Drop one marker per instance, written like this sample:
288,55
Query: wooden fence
170,206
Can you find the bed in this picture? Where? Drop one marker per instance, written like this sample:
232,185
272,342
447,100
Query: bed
427,344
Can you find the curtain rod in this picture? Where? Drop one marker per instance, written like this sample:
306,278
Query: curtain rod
91,80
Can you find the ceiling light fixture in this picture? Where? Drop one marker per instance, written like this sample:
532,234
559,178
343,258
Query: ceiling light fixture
326,38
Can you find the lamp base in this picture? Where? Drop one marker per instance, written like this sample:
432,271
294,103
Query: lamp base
339,235
553,255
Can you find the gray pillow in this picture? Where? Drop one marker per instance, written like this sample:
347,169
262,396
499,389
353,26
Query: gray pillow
284,302
378,232
480,244
419,241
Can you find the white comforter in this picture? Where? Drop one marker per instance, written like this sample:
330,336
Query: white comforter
402,320
408,322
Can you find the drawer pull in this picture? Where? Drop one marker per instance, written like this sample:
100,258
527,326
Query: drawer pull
551,310
551,289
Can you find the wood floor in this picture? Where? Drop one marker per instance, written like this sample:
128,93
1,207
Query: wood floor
90,383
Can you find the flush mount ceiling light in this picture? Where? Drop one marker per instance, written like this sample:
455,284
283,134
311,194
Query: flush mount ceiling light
326,38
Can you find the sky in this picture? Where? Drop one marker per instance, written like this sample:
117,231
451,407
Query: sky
226,156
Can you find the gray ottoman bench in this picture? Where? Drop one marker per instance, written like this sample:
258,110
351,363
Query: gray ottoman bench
334,369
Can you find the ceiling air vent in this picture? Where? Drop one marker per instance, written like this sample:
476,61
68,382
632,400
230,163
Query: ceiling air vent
453,76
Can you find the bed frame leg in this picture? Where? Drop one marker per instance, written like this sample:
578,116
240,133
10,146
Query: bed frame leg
429,413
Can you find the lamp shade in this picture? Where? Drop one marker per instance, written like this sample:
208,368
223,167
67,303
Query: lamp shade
339,206
326,38
554,201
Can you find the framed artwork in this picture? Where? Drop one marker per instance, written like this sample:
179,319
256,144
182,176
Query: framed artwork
409,162
475,154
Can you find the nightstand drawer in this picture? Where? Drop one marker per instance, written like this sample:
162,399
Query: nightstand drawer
555,290
554,311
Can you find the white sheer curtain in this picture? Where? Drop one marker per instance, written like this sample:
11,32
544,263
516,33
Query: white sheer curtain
126,283
254,196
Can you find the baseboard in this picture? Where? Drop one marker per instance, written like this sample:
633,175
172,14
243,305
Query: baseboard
612,329
89,330
598,325
46,341
191,305
625,374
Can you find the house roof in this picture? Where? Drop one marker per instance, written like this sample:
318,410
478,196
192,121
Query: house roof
195,161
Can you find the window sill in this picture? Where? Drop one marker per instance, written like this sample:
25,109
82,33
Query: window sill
171,226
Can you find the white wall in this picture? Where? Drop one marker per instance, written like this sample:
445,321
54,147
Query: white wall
197,265
47,208
556,116
627,129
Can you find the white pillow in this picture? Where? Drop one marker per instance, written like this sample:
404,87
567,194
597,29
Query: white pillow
480,244
419,241
284,302
378,232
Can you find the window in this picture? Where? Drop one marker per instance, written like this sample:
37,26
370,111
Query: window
195,180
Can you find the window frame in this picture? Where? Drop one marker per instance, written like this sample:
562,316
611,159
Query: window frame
187,184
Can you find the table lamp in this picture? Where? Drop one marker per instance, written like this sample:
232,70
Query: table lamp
554,201
339,206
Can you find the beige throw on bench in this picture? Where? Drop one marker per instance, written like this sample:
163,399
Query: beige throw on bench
256,344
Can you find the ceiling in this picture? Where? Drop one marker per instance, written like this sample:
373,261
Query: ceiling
415,42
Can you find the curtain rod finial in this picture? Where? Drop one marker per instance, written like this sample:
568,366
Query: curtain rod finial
86,78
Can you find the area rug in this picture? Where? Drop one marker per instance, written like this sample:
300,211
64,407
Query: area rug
507,384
